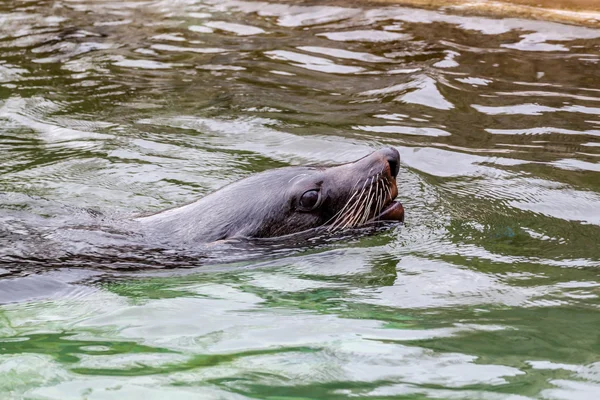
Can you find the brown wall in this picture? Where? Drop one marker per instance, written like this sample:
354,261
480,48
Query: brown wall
581,12
592,5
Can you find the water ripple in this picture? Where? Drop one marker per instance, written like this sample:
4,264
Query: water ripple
489,290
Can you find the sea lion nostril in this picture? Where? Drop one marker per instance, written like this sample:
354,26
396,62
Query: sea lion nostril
393,159
393,167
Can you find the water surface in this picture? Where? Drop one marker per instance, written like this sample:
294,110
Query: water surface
489,291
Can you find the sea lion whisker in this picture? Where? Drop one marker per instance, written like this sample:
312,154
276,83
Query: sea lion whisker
354,218
388,189
348,203
357,210
386,192
379,193
367,210
377,202
351,204
347,219
297,176
342,215
372,203
353,211
380,198
343,219
350,220
383,195
365,205
349,208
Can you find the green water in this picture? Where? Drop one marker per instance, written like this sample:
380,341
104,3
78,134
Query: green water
489,291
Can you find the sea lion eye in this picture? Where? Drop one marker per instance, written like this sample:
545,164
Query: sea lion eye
310,199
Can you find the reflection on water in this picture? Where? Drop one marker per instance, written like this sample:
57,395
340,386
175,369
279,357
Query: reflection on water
490,290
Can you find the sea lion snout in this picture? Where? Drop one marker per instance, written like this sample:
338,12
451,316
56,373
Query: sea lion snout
386,164
393,158
386,161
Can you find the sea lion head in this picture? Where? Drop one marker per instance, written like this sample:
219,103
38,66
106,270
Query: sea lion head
335,198
290,200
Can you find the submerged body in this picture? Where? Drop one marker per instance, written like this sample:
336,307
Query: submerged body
288,200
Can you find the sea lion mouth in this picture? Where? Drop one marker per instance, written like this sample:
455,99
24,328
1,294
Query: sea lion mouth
372,202
393,211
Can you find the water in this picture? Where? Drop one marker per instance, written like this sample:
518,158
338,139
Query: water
489,291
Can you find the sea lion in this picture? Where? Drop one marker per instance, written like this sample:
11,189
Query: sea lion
286,201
